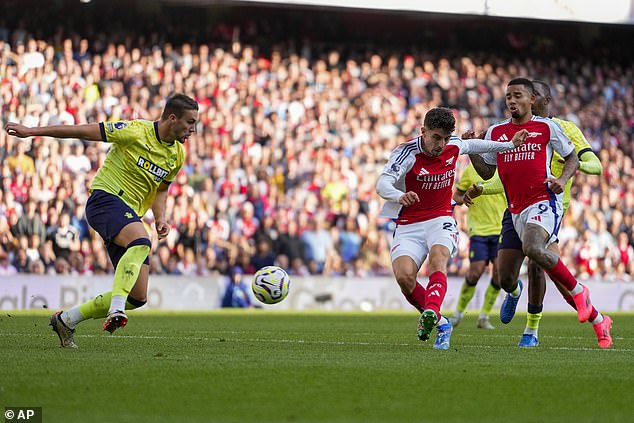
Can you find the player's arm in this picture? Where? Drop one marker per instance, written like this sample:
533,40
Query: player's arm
386,190
397,166
158,208
564,147
479,146
465,181
589,163
493,186
484,169
571,164
458,196
90,131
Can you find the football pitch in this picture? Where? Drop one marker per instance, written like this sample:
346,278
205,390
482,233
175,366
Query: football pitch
263,366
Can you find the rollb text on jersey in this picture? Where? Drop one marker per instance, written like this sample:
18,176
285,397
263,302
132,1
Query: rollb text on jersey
158,172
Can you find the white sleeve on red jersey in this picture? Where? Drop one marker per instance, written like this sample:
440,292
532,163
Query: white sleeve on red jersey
478,146
558,138
401,159
391,182
490,158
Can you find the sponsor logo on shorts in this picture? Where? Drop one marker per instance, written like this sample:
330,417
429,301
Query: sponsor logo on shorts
128,215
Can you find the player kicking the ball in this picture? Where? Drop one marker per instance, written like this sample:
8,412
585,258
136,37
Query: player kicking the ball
144,159
417,183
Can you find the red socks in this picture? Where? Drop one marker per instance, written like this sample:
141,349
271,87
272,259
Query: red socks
436,290
417,297
561,274
593,314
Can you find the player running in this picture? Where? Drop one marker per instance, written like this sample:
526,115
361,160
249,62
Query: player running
588,163
144,159
484,224
534,197
417,183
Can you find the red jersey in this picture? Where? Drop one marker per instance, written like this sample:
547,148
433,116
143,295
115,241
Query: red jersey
431,178
524,169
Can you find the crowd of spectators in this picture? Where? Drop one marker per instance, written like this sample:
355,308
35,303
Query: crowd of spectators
288,147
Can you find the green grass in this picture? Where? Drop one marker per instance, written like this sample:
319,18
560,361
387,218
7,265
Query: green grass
259,366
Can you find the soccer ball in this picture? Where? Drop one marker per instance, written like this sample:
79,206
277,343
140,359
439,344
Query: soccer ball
270,284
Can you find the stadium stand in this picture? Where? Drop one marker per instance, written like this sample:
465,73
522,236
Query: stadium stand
294,127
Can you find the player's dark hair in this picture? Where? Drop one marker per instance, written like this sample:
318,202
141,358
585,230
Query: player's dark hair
440,118
177,104
545,87
523,81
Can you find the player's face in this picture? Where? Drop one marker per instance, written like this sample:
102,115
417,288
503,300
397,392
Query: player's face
540,107
185,126
519,101
434,140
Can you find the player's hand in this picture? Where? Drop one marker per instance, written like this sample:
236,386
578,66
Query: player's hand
17,130
162,229
409,198
473,192
468,135
519,137
556,185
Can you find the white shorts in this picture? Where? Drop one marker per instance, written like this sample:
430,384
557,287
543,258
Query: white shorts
546,214
416,239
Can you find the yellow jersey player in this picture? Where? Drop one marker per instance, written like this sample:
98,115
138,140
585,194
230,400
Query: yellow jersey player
144,159
484,220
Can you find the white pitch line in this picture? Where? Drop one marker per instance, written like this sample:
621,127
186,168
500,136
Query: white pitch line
303,341
488,335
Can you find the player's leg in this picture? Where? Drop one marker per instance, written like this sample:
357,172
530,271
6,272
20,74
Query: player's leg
442,236
407,256
137,245
493,290
509,260
405,270
439,256
601,324
97,308
536,292
477,249
535,240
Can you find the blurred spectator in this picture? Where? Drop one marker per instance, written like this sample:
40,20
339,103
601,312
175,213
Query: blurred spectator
6,268
317,244
236,292
290,140
65,238
263,255
30,223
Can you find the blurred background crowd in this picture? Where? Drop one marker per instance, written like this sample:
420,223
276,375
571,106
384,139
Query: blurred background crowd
293,132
